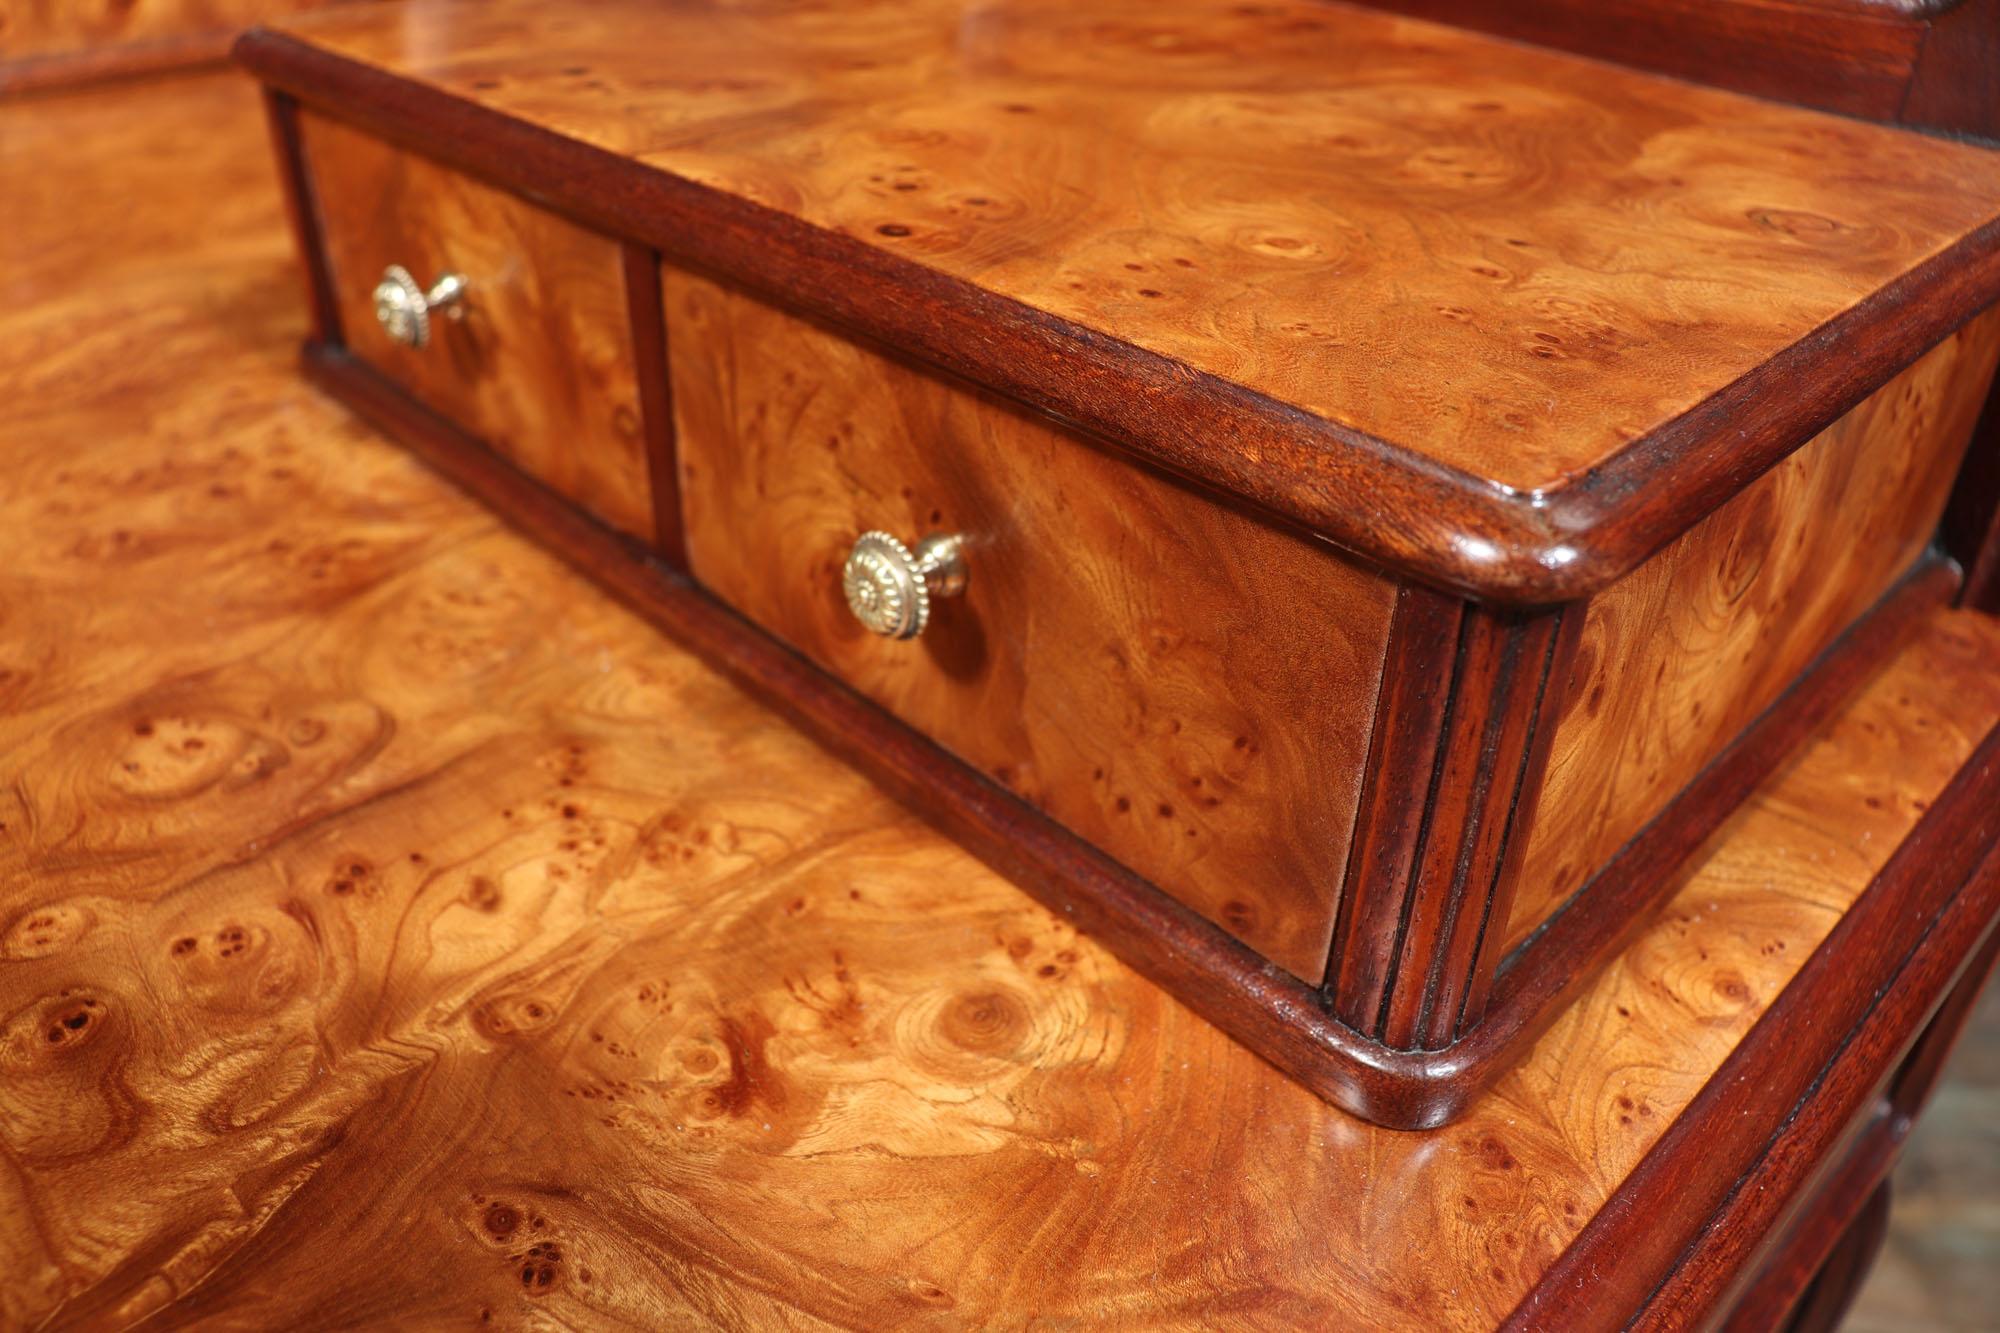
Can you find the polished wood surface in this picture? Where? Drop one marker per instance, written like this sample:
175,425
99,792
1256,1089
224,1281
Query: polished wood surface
1455,767
1850,58
46,44
42,27
1553,231
393,926
1187,687
1926,64
1679,657
541,365
1646,293
1425,911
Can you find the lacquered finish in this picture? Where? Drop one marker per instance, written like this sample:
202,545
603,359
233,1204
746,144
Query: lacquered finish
1455,770
1927,63
1134,215
414,952
1680,656
52,43
1443,878
540,364
1185,686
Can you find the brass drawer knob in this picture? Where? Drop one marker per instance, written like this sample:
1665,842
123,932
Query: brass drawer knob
403,309
889,586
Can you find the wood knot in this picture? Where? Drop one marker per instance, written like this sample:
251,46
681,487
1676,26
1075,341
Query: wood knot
72,1024
501,1220
42,931
1796,224
541,1268
510,1015
990,1022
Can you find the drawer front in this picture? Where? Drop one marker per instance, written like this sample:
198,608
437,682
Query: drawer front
1184,686
539,362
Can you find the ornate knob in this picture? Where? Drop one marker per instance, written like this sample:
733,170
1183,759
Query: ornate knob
889,587
403,309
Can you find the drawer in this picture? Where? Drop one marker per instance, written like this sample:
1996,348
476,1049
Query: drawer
537,360
1412,641
1185,686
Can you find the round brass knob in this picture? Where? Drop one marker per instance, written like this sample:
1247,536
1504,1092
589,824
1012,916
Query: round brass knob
403,309
889,586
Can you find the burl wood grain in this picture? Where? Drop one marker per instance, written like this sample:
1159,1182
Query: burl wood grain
392,931
1183,685
1511,262
43,39
1676,659
541,366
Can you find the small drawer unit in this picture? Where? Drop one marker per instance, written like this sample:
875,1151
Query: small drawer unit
1342,508
1185,685
504,318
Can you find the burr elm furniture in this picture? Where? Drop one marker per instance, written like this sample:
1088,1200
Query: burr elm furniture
393,931
1339,506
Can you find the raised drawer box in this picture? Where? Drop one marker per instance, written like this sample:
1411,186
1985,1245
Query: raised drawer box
1345,514
539,364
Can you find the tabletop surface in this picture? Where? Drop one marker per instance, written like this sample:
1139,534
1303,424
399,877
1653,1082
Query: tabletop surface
391,924
1507,261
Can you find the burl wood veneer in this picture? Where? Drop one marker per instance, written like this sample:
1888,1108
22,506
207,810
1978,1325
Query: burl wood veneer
1182,683
426,940
1680,656
540,365
1540,264
1412,485
47,44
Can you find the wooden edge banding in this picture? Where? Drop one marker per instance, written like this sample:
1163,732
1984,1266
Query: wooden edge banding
1519,761
1672,1237
302,208
1519,816
1822,1217
63,71
656,404
1262,1006
1918,1076
1451,773
1403,754
1360,492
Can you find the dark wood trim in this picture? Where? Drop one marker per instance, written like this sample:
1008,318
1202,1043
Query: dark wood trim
1418,685
1808,1272
1953,87
1273,1013
1819,1256
656,402
1971,530
1853,59
1462,697
1831,1294
1927,66
302,208
1528,788
63,71
1357,491
1920,1071
1677,1233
